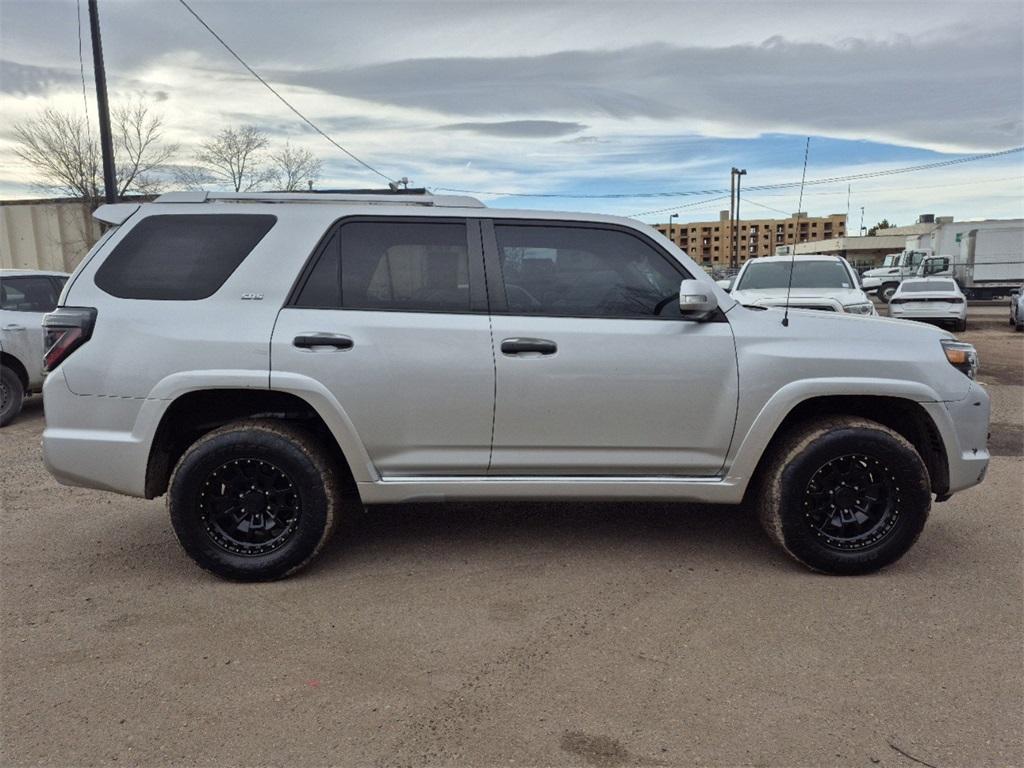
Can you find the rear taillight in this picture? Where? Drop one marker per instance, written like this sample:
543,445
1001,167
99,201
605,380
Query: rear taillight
956,300
65,330
897,301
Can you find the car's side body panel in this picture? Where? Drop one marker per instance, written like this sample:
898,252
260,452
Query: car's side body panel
146,354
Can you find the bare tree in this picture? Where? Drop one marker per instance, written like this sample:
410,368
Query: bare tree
64,153
295,168
139,151
234,158
61,150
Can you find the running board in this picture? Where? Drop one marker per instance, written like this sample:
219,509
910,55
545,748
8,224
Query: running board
711,490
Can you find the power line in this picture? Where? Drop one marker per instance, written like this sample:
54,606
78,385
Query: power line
283,100
762,205
81,70
678,207
756,188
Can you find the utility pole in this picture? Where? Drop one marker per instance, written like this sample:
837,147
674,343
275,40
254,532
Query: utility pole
732,209
106,142
739,178
862,220
670,217
734,215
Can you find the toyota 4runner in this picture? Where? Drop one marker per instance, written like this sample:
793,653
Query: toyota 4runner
273,362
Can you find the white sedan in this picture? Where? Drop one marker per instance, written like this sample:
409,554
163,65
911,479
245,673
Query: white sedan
938,299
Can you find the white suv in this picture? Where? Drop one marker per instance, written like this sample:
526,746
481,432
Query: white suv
273,362
25,296
808,281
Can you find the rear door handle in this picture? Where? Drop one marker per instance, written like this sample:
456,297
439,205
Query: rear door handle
518,346
314,341
14,327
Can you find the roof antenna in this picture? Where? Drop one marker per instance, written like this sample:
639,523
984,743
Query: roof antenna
796,235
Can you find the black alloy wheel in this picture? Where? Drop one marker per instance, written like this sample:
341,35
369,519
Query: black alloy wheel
249,506
852,502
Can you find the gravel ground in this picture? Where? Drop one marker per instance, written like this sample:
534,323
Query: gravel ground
539,634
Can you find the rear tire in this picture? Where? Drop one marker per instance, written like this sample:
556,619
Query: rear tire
844,495
12,395
960,326
886,291
254,500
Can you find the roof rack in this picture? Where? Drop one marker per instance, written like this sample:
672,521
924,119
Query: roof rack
371,196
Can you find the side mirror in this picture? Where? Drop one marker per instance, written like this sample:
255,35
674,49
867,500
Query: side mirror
696,300
725,285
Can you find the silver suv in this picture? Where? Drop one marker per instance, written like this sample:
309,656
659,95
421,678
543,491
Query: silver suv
25,296
273,362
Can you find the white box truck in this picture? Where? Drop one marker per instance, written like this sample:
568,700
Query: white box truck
963,244
989,264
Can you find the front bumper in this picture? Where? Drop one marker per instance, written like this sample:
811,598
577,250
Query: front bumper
963,426
870,283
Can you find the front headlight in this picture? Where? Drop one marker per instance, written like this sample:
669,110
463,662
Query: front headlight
867,308
962,356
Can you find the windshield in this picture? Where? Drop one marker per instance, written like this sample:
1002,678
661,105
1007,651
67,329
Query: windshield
930,285
807,274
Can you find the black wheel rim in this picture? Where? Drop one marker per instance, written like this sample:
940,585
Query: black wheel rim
852,502
249,506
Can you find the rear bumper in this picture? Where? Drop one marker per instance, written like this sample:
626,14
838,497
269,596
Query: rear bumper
94,445
938,312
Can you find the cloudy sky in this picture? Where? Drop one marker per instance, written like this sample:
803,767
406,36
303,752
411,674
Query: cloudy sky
630,99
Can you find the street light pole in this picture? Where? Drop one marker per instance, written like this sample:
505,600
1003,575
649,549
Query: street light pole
106,142
670,217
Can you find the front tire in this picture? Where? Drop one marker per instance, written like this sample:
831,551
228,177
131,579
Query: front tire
254,500
886,292
12,395
844,495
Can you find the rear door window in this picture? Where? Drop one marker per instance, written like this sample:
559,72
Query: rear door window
411,266
180,257
27,294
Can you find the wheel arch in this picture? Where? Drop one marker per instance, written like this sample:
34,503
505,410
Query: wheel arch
197,412
10,361
901,414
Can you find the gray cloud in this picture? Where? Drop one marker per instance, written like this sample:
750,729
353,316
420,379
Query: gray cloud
915,92
524,129
28,80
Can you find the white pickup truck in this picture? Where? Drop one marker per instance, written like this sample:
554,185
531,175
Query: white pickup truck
884,280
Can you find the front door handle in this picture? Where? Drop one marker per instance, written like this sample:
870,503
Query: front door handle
518,346
14,327
313,341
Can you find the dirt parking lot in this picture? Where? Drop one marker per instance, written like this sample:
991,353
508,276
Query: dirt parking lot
542,634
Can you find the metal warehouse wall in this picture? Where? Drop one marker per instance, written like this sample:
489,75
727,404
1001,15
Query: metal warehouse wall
45,235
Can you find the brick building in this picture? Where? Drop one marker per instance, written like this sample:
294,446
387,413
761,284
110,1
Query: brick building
707,242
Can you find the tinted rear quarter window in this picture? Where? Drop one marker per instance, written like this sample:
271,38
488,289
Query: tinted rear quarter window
180,257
